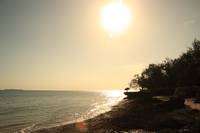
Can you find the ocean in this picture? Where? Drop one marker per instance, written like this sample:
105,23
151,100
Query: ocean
28,111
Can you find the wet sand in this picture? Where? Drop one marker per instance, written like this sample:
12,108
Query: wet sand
130,116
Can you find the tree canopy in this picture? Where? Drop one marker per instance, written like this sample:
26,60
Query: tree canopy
183,71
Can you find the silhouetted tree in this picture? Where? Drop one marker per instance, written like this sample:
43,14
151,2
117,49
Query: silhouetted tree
135,82
182,71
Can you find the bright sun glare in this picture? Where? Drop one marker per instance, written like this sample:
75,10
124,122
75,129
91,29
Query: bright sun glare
115,17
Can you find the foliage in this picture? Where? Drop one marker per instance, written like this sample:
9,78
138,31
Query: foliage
180,72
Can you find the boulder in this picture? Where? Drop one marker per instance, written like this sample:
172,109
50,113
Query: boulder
174,103
140,94
163,92
183,92
186,91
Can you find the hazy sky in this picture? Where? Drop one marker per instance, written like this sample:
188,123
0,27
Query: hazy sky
62,45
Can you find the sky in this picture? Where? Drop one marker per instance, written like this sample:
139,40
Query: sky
63,45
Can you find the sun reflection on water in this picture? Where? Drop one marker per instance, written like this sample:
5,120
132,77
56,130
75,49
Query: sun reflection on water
115,93
114,96
110,99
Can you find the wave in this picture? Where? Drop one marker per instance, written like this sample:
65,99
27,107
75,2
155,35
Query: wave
10,126
58,111
56,121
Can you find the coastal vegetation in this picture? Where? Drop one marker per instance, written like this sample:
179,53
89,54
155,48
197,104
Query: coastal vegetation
183,71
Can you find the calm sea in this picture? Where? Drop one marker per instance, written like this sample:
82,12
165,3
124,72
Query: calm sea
27,111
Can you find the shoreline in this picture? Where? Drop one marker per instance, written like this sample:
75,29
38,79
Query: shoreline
148,114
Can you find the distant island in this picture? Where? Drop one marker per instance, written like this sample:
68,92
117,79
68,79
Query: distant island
13,90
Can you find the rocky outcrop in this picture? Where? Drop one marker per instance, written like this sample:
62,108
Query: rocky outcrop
197,100
187,91
163,92
173,103
140,94
183,92
176,103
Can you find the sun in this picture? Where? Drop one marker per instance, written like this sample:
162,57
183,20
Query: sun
115,17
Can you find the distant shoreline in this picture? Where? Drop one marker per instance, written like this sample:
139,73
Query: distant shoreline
13,90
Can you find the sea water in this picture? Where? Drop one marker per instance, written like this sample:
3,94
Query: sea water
27,111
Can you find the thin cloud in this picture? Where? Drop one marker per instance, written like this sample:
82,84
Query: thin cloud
189,22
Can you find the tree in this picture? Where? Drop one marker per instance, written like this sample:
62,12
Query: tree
183,71
135,82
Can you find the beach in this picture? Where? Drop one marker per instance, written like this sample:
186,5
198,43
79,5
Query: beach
142,115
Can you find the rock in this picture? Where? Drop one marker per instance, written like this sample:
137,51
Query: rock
186,91
183,92
168,130
197,100
196,89
134,95
171,123
176,103
193,111
163,92
166,123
